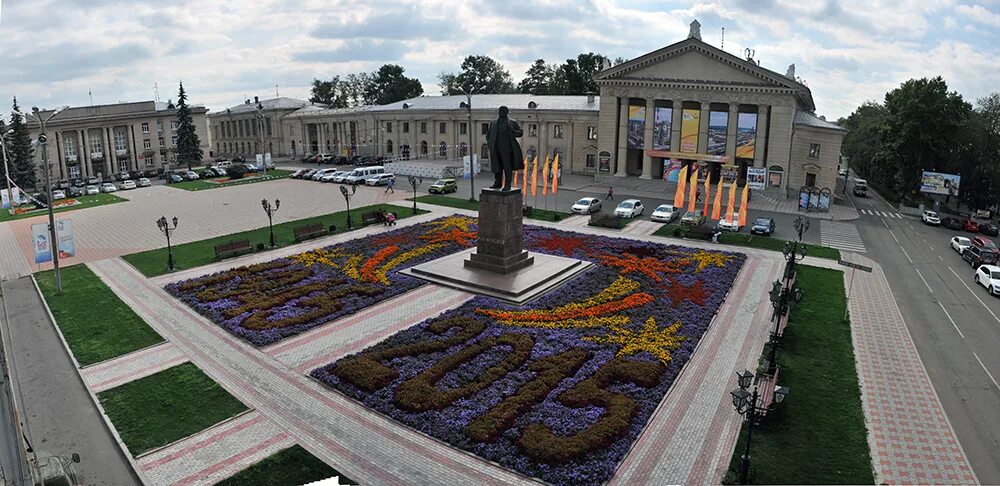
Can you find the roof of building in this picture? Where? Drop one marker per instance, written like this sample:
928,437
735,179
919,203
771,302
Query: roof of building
115,109
803,117
269,104
479,102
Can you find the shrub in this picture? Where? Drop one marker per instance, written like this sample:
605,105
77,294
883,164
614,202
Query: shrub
236,171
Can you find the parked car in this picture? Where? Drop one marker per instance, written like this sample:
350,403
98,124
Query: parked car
297,173
58,194
75,191
693,218
93,181
77,183
960,243
250,167
977,256
306,156
586,205
763,226
989,276
327,158
219,171
219,159
443,186
732,224
239,159
380,179
225,164
970,225
318,175
207,174
128,184
108,187
174,178
989,229
190,175
124,176
629,208
361,174
665,213
308,174
985,243
931,218
91,190
952,223
144,182
340,176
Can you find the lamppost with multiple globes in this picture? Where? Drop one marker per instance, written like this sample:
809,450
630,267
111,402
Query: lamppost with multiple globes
794,253
167,230
415,182
347,197
801,226
749,405
270,210
783,299
263,151
467,104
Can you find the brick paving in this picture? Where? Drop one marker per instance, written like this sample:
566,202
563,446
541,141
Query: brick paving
910,437
123,369
12,262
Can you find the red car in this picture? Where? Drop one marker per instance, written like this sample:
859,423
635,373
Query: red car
970,225
985,243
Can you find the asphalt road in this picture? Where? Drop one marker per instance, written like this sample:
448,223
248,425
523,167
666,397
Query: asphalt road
954,323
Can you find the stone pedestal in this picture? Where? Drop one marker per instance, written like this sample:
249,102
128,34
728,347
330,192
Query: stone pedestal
499,247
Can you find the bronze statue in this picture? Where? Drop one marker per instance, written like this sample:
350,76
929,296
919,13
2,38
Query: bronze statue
504,150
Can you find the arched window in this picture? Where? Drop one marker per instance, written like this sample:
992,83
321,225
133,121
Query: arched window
463,149
484,152
423,148
442,150
388,146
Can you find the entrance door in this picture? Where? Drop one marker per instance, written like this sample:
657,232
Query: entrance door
810,179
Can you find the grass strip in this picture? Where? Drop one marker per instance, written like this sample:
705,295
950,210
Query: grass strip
294,465
97,325
167,406
817,435
90,201
463,203
200,185
753,241
197,253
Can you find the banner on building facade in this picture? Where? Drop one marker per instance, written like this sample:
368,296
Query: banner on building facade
729,173
18,199
690,120
64,233
604,162
704,171
671,169
663,119
636,126
940,183
718,126
746,135
756,177
40,242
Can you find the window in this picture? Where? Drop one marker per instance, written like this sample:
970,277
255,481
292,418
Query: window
406,127
388,147
533,130
814,150
463,128
163,158
96,147
159,126
810,179
146,144
591,133
442,150
442,127
557,131
591,161
173,125
423,127
145,127
423,148
484,152
69,149
254,125
463,149
267,123
74,172
485,128
161,142
123,165
388,127
120,142
239,128
173,140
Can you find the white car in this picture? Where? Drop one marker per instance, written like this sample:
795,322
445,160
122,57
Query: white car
108,187
340,176
190,175
587,205
629,208
380,179
989,276
91,190
960,243
144,182
58,194
318,175
128,184
665,213
931,218
328,177
732,225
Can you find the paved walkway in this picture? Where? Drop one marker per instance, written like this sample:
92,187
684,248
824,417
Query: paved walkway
910,437
139,364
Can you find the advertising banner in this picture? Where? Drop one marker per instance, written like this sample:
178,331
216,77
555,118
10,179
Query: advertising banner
64,233
756,178
267,158
690,119
19,197
636,126
704,171
671,169
729,173
260,162
604,162
940,183
40,242
4,199
718,125
663,119
465,164
746,135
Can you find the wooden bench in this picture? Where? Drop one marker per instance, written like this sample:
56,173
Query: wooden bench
233,248
765,390
371,217
303,233
605,220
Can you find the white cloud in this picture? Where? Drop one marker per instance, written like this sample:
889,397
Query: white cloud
978,13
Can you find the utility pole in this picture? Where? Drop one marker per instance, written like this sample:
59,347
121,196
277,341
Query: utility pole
53,242
472,162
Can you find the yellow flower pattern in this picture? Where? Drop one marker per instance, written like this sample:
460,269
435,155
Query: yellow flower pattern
706,258
651,339
456,221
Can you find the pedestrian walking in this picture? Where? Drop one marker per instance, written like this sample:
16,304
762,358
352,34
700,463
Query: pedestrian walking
388,187
611,194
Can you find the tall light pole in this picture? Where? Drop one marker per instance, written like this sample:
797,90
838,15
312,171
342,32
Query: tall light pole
263,159
42,139
472,164
167,230
6,173
749,405
347,197
270,210
415,182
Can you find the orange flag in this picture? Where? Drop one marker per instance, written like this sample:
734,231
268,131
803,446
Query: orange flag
693,188
534,177
555,175
524,174
717,206
708,190
515,175
743,206
545,176
679,194
731,206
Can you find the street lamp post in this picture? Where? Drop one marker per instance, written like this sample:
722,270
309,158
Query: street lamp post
270,210
801,226
782,299
347,197
415,182
472,163
167,231
42,139
6,173
748,404
263,159
794,252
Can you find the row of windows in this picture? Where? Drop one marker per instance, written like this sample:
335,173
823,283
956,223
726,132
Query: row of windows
241,128
557,130
159,126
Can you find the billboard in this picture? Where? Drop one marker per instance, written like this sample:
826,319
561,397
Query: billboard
40,242
718,125
690,119
636,126
940,183
64,233
755,177
663,119
746,135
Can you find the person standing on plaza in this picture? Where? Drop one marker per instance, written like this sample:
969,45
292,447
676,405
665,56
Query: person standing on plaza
388,187
611,194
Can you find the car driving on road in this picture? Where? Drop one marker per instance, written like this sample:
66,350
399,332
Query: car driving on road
989,276
989,229
960,243
629,208
763,226
931,218
952,223
443,186
665,213
586,205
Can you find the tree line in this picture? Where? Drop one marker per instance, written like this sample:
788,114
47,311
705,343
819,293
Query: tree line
478,75
919,126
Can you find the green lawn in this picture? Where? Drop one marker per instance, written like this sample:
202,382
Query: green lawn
273,174
291,466
817,435
85,202
753,241
464,203
97,325
159,409
195,254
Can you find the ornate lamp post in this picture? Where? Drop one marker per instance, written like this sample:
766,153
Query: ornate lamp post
347,197
263,152
270,210
472,165
801,226
415,182
748,405
793,254
783,299
167,230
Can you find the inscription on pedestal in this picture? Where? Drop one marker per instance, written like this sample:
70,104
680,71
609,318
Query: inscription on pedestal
499,247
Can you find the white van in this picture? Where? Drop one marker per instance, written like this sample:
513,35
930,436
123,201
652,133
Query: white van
359,175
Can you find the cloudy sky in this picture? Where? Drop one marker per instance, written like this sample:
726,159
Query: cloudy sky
54,52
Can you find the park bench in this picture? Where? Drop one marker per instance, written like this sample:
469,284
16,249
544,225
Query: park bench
232,248
605,220
303,233
765,390
371,217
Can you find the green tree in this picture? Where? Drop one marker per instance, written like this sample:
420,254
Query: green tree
576,76
537,79
22,157
863,141
356,87
981,153
188,146
480,75
3,173
330,93
389,85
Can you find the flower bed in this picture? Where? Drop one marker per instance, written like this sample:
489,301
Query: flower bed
62,203
270,301
558,389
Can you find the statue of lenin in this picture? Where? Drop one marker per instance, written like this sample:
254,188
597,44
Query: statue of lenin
504,150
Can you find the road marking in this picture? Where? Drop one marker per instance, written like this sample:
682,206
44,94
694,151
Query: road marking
924,279
905,253
940,258
994,380
894,237
843,236
952,320
931,247
974,294
899,216
886,224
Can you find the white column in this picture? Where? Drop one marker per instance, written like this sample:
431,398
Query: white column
706,109
758,155
647,140
675,126
622,159
734,113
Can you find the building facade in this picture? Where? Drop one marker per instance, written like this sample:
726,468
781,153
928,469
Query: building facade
101,140
240,129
